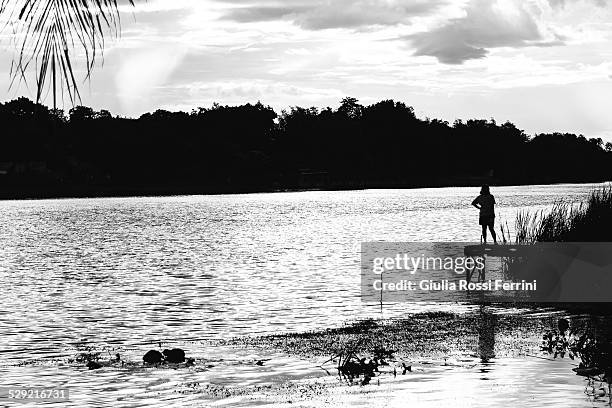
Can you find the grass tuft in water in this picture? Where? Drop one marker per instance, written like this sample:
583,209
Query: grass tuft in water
590,221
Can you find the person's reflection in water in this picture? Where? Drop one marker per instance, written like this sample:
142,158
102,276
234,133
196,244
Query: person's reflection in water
486,335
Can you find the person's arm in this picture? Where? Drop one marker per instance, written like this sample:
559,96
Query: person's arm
476,202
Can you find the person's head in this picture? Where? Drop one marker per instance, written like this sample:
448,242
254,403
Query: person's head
485,190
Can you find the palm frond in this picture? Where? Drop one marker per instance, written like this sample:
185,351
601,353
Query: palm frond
50,33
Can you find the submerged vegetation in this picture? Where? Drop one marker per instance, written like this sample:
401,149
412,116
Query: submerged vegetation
248,148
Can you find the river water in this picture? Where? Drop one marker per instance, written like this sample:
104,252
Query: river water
127,273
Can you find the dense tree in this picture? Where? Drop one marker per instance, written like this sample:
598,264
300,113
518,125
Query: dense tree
250,148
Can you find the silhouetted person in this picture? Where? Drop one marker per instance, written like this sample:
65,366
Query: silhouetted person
485,202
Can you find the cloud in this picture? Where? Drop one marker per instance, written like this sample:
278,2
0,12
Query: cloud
485,25
562,3
142,72
257,90
324,14
263,13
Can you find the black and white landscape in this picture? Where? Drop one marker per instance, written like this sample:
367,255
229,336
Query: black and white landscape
203,203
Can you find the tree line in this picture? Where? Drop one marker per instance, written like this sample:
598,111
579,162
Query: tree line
223,149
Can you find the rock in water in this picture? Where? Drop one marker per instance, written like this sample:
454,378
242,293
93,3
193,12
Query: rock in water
174,356
153,357
94,365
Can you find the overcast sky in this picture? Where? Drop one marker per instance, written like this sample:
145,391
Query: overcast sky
543,64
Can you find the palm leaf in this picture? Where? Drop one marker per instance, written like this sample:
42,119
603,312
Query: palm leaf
50,33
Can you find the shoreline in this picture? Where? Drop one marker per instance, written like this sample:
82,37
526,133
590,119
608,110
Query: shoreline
487,349
428,349
420,335
155,192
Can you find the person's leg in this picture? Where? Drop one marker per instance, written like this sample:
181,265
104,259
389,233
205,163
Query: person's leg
484,233
492,229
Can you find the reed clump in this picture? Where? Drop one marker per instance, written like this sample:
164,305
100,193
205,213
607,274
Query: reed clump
589,221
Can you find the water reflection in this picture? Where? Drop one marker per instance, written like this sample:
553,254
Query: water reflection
486,335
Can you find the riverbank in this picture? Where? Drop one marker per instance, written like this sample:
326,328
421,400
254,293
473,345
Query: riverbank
40,192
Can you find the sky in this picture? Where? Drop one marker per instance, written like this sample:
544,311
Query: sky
545,65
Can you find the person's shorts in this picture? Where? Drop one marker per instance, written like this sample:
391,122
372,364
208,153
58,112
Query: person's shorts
486,220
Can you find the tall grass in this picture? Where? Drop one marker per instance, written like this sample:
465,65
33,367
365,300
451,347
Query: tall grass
590,221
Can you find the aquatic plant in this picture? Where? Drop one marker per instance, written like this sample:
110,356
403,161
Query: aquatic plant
92,359
590,221
509,263
595,354
352,366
